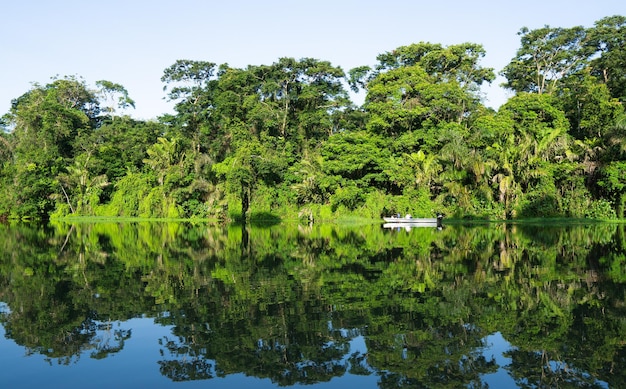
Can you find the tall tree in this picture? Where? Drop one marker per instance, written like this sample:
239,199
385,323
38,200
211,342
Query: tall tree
272,116
46,122
455,62
546,56
588,105
242,174
295,99
423,85
51,126
114,95
80,188
190,84
608,38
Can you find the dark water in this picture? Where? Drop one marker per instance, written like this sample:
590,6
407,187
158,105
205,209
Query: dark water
176,305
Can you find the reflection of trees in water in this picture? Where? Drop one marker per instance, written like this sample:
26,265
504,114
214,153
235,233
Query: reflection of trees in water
183,364
288,342
426,356
275,302
540,369
283,361
67,345
108,340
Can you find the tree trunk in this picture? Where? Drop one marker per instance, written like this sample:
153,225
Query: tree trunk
245,203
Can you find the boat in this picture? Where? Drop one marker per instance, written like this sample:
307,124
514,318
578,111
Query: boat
409,222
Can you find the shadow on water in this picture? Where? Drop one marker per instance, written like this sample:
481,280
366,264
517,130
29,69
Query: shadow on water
264,219
258,219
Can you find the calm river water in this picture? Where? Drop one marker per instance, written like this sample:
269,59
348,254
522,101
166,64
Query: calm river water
179,305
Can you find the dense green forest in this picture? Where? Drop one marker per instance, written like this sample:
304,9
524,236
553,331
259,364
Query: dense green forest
285,140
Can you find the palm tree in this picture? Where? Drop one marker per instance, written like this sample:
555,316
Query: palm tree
507,186
308,190
84,188
425,166
617,137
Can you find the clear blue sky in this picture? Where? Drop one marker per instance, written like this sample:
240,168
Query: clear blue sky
131,42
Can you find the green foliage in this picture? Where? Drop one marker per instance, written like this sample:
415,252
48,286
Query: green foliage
607,38
540,202
601,209
356,157
414,201
422,85
115,95
546,56
284,140
47,120
130,192
121,145
408,99
613,182
349,197
591,111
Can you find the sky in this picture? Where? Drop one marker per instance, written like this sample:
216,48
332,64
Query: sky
131,42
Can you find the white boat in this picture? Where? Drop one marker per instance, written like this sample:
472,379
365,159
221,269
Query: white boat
408,221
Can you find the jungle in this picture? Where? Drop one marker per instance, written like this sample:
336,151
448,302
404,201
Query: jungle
286,141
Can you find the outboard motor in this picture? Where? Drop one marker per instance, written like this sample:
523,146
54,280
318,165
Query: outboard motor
439,221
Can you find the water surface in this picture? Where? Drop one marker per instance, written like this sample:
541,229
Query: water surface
164,305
